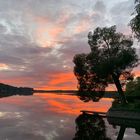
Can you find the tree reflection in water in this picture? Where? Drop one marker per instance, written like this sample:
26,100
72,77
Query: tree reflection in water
124,123
90,127
90,95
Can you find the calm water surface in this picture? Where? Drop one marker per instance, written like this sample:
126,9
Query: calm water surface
50,117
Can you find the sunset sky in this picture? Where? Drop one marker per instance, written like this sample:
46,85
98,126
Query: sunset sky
38,38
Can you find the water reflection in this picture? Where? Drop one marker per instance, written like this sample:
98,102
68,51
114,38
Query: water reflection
44,116
52,116
93,96
123,124
90,127
16,93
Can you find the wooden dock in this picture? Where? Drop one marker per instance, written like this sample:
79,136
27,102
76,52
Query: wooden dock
123,114
102,114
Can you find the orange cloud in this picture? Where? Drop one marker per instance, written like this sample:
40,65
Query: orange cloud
61,81
47,33
62,77
55,31
58,81
48,36
67,81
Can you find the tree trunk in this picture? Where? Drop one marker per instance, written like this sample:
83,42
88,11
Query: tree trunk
121,133
119,88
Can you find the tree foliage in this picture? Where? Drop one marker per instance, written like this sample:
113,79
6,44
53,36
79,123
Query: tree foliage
112,58
111,52
133,87
87,79
135,22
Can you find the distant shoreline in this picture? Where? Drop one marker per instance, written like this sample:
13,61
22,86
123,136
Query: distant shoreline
57,91
107,94
8,90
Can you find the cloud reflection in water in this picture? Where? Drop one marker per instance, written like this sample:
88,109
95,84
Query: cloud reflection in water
44,116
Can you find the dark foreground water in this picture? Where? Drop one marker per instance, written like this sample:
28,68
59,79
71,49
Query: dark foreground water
56,117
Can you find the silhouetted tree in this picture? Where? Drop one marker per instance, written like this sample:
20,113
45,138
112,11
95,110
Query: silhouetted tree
111,58
90,86
87,79
135,22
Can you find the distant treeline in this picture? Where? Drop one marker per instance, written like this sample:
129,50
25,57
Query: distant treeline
8,90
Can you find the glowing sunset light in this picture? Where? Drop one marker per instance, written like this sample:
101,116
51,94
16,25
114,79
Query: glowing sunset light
136,73
46,36
37,44
61,78
64,104
69,69
65,81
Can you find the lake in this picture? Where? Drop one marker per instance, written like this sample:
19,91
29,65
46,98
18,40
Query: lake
49,116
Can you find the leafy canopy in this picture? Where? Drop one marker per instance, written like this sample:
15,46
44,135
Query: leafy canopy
111,55
133,87
135,22
111,52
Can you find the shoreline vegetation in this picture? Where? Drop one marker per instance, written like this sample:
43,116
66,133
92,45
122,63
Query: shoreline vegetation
8,90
